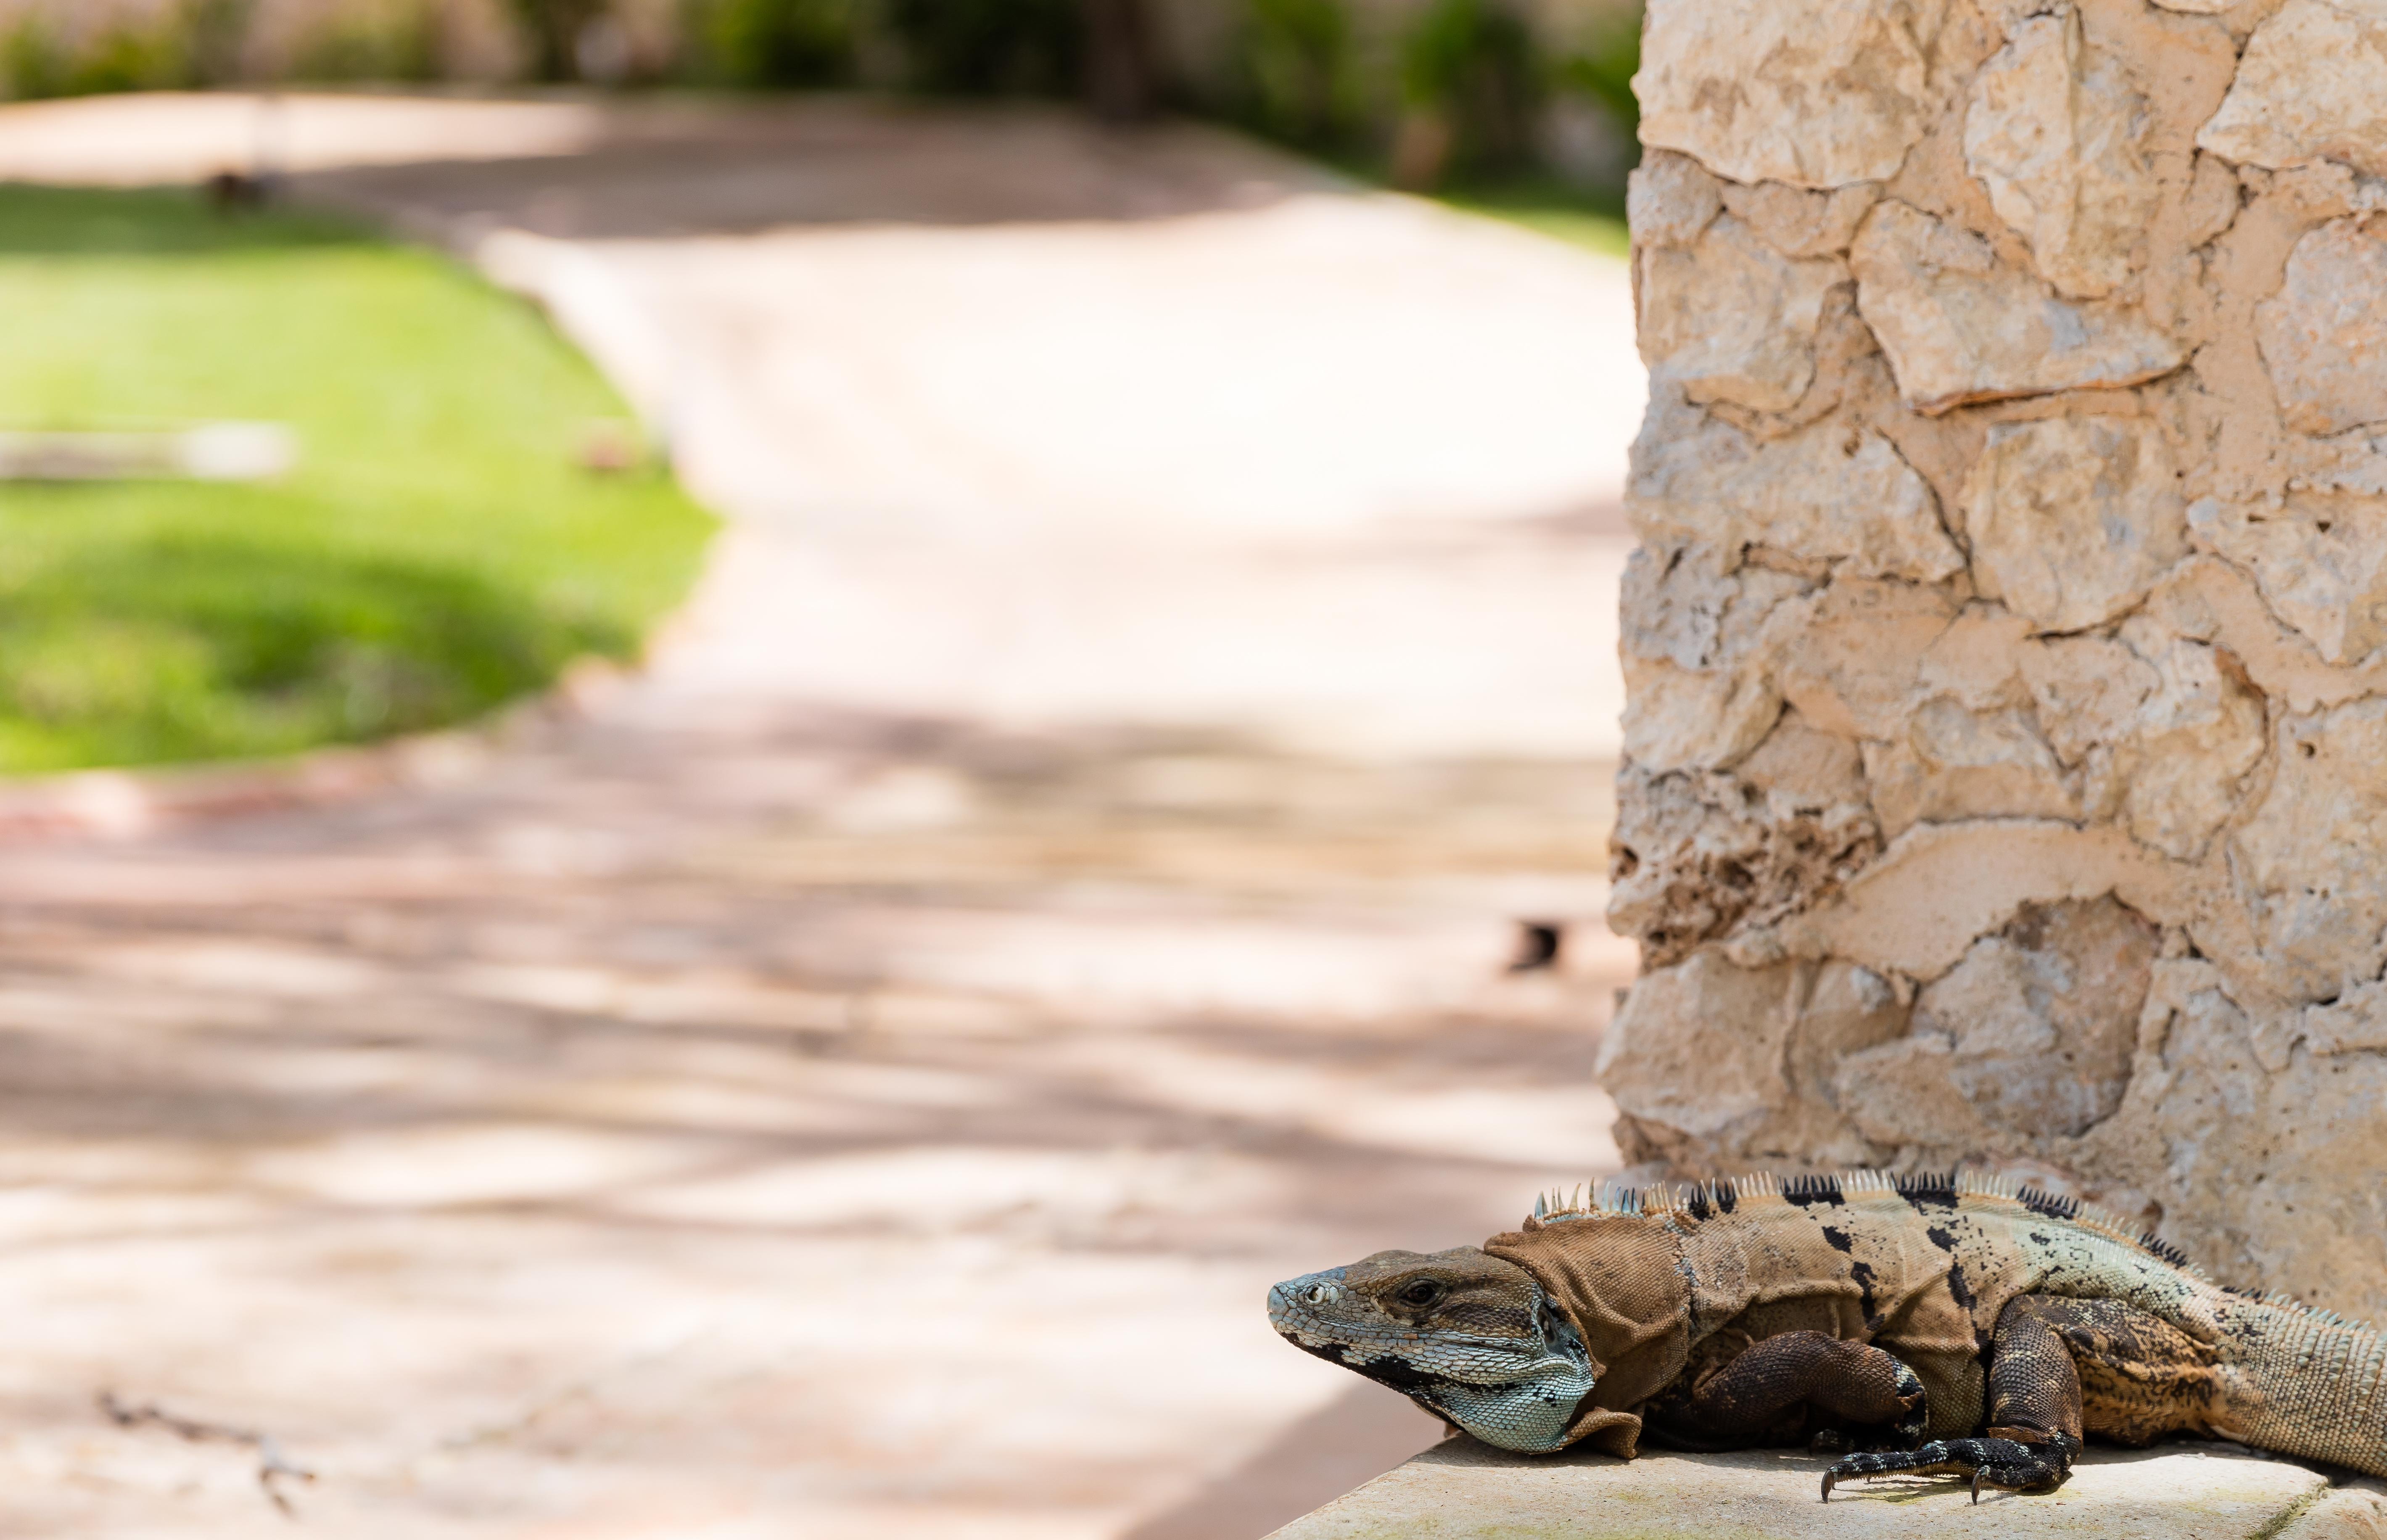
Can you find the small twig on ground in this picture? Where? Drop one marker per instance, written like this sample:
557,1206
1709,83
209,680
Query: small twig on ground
272,1465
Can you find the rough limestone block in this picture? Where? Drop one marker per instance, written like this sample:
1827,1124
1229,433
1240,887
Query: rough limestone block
1766,1087
2210,1075
2073,519
1952,763
1698,673
1851,665
1958,326
1830,493
1814,92
2055,131
2174,770
2063,582
1697,855
2309,859
2324,334
1798,222
1669,199
1657,1060
2311,86
1730,318
2320,562
2032,1035
1460,1490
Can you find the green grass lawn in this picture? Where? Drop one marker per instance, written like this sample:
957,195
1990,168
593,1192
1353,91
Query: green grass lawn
1550,205
437,550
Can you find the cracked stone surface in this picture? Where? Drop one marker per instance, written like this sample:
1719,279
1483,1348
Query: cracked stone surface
1812,92
1834,493
2320,561
2073,519
2055,131
2312,85
2319,900
2325,334
1960,326
2031,1035
2118,276
1730,318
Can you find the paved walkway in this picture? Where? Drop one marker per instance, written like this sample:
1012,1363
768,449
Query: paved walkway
1056,880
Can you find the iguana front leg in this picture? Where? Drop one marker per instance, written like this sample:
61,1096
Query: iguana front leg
2035,1419
1747,1397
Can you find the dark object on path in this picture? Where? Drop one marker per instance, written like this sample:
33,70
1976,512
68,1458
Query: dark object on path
1865,1311
238,192
1539,945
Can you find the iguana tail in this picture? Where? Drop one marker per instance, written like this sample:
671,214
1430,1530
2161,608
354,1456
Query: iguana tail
2309,1383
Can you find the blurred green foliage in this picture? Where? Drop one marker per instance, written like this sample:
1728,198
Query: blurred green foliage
396,41
1472,64
1592,218
437,551
1295,72
553,29
127,53
1600,62
1469,82
761,44
990,47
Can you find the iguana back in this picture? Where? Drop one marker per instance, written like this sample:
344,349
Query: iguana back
1969,1289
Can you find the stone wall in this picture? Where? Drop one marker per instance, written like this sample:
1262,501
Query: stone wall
2007,747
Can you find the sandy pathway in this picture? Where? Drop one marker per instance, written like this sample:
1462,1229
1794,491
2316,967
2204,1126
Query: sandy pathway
1056,880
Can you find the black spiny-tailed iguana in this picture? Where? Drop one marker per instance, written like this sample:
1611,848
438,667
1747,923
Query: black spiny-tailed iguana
1964,1325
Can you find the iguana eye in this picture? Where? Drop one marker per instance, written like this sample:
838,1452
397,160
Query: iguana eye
1425,1291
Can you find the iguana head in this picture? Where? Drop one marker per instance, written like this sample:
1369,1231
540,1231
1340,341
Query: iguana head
1464,1334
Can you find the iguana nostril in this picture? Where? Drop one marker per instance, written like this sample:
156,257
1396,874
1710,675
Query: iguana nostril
1317,1294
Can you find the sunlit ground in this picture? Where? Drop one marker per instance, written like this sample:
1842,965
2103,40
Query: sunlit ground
1060,876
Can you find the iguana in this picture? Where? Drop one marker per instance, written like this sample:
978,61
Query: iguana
1938,1325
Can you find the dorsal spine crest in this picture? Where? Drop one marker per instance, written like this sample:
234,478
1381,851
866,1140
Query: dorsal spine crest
1697,1202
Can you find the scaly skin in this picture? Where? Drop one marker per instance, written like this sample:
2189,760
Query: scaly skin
1964,1326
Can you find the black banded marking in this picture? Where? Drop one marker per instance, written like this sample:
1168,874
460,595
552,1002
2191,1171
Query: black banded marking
1806,1192
1864,1276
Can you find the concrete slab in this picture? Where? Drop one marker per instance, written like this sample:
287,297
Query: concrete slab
1462,1490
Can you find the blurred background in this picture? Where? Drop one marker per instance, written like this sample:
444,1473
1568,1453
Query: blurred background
747,747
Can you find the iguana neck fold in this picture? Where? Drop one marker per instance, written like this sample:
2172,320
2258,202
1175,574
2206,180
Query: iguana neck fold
1619,1279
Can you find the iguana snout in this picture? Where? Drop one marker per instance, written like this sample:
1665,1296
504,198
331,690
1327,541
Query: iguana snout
1468,1336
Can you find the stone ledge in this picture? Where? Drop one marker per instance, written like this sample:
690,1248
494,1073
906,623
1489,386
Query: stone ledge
1460,1490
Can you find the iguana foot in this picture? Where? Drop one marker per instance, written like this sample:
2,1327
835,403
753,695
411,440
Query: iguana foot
1999,1462
1909,1429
